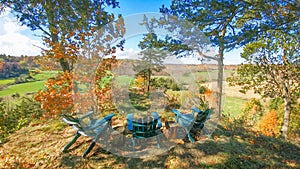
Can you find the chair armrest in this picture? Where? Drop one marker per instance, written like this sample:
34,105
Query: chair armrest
69,119
100,122
156,116
129,122
195,109
86,115
176,112
184,120
188,117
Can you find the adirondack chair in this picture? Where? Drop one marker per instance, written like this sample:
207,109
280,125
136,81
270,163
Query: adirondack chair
201,117
194,120
186,121
93,128
144,127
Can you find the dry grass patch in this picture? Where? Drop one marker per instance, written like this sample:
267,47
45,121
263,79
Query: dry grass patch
37,146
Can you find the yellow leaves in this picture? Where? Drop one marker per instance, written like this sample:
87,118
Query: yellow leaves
208,92
104,94
269,124
71,34
93,29
54,30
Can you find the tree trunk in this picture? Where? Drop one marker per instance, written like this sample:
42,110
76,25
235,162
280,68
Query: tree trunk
149,78
52,19
286,117
220,83
64,64
220,74
286,96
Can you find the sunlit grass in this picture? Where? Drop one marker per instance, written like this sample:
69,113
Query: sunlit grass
7,81
23,88
45,75
28,87
233,105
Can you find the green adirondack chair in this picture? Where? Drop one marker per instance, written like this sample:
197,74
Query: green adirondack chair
93,128
144,127
194,120
201,117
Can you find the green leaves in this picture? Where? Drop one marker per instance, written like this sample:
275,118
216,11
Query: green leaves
67,25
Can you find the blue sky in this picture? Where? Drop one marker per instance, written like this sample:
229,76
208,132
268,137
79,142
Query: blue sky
19,40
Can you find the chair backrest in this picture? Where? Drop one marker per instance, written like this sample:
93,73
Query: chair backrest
93,127
197,118
202,117
185,120
144,127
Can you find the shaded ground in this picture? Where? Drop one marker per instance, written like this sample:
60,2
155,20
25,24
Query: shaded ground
39,146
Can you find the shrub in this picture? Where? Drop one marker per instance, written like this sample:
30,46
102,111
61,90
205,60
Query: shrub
15,116
24,78
103,89
166,83
252,112
269,124
277,104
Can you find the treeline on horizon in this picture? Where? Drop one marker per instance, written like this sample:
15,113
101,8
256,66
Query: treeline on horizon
14,66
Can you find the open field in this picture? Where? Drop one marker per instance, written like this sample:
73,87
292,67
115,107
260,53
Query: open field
233,105
27,87
23,88
7,81
45,75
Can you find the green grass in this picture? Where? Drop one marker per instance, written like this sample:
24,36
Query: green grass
23,88
233,105
45,75
28,87
7,81
207,76
124,80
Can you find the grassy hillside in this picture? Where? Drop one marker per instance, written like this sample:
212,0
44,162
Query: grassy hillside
23,88
28,87
7,81
229,148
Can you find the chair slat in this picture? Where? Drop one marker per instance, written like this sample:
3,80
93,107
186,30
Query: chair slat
92,129
144,127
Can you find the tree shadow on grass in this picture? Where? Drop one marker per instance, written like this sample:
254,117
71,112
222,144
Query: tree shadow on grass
238,148
245,149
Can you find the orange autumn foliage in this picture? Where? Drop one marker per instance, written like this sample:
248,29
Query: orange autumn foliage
104,93
140,79
269,124
57,97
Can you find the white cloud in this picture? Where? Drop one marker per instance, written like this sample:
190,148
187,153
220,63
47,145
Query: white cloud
233,57
128,54
134,54
12,39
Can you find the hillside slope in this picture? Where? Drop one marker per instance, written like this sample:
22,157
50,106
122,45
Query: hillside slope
39,146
